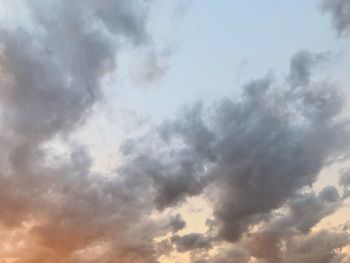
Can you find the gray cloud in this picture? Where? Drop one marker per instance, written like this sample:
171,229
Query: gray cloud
344,182
301,66
345,179
318,247
302,212
51,70
177,223
229,255
321,246
308,209
340,12
252,156
281,239
57,67
193,241
256,151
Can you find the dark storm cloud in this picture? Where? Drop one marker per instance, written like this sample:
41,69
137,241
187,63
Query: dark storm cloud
340,12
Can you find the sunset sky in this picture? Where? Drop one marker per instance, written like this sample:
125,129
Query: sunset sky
181,131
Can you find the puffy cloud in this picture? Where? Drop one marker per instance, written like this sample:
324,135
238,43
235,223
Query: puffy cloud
345,179
308,209
255,152
249,156
51,69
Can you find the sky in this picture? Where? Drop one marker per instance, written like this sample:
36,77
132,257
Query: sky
184,131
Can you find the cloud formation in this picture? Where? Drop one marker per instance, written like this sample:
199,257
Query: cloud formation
250,157
256,152
51,69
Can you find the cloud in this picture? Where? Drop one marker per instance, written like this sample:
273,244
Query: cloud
265,156
344,182
340,12
286,235
150,67
229,255
177,223
308,209
296,220
256,151
191,241
301,66
51,69
318,247
249,156
57,66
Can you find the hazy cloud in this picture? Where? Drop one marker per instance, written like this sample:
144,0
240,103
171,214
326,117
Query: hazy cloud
301,66
149,67
340,12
